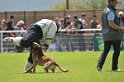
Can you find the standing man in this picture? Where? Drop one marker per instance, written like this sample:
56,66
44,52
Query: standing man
121,18
10,23
58,36
78,25
42,29
84,20
94,22
112,35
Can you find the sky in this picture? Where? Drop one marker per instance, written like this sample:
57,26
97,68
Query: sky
29,5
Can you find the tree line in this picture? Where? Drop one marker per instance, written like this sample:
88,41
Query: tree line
84,4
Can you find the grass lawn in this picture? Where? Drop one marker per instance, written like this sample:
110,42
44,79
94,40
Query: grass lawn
81,65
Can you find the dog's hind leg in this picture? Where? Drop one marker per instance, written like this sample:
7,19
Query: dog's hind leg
53,70
46,70
46,66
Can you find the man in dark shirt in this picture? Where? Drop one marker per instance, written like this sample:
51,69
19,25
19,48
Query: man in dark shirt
78,25
94,22
10,25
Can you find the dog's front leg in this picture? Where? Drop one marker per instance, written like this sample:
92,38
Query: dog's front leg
34,66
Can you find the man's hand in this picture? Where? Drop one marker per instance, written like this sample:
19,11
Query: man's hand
46,47
122,29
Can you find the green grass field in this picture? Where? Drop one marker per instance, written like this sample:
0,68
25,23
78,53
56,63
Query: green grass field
81,65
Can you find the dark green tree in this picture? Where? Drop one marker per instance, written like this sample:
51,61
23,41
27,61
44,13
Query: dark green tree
84,4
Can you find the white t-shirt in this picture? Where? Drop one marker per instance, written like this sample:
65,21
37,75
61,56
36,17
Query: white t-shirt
49,29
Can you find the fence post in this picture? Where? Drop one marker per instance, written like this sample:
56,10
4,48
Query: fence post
25,18
1,41
34,16
67,4
5,15
64,13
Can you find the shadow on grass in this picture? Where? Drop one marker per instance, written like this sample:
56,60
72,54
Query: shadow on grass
112,71
41,73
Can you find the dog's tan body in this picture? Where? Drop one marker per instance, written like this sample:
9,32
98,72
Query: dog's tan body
40,59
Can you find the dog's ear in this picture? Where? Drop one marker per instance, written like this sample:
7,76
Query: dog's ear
34,42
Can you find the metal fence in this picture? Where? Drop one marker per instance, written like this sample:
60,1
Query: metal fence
78,40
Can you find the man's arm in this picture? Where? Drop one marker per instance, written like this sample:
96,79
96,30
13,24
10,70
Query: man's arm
113,25
76,27
111,17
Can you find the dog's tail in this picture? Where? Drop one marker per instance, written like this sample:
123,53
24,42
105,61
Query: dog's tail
62,69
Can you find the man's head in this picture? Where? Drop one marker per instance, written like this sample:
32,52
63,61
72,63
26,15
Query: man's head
94,16
20,23
113,2
120,14
83,15
11,17
75,18
70,18
56,19
66,19
3,22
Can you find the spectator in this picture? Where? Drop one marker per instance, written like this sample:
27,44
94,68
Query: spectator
3,25
68,36
61,23
58,36
121,18
67,23
62,34
94,23
10,25
3,28
21,26
83,20
56,20
78,25
70,18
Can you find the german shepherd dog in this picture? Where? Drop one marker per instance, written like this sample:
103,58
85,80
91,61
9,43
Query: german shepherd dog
40,59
